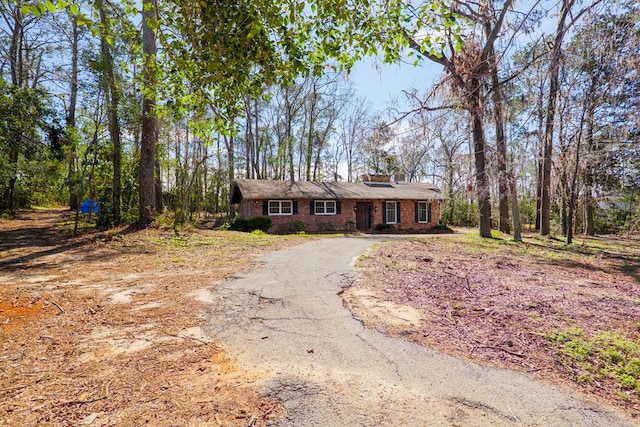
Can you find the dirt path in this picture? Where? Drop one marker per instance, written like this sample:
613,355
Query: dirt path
285,323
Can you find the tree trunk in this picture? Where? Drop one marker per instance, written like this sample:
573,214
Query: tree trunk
114,126
311,130
573,191
563,209
589,221
248,138
501,143
10,194
148,209
554,69
258,146
479,145
292,170
74,200
589,224
517,233
158,187
15,48
230,171
15,61
205,178
451,197
540,158
588,112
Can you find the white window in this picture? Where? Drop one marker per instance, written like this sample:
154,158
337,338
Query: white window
280,207
391,210
325,207
424,212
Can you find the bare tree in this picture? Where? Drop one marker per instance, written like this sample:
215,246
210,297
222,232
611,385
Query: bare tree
352,128
468,68
554,71
547,157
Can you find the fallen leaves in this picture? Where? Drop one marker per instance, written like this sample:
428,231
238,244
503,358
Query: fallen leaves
496,303
106,331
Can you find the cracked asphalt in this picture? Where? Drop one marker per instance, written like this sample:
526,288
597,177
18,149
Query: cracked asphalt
285,321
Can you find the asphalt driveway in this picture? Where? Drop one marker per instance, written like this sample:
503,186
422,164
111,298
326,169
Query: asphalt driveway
286,322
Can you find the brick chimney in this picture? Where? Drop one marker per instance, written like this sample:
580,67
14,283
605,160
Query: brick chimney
375,178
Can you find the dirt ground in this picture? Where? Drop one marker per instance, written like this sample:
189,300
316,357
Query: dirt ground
497,303
102,329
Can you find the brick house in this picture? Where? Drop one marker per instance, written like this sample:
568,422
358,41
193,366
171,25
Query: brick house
374,204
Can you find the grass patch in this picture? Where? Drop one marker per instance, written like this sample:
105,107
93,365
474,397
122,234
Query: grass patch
556,252
223,240
603,356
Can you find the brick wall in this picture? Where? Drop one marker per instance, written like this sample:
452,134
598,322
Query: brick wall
375,178
346,220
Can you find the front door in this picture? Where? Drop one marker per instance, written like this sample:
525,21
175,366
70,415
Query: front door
363,216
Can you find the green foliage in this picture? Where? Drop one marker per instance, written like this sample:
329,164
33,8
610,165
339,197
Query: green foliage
527,207
227,51
262,223
105,217
166,220
619,216
604,355
256,223
443,227
298,226
23,119
42,182
384,227
239,224
465,214
326,226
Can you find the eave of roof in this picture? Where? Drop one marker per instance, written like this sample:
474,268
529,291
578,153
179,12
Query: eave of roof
254,189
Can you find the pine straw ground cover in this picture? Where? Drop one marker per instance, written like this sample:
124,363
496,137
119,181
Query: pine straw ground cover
102,329
569,314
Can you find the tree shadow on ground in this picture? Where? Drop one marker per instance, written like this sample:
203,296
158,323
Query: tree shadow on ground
33,243
625,253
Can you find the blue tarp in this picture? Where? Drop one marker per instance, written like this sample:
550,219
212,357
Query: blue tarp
87,205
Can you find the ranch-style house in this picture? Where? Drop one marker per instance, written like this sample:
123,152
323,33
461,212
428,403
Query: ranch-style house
376,203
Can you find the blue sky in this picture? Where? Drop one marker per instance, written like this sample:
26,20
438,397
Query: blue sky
382,83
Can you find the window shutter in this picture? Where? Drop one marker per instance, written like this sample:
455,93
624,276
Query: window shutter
312,207
295,207
397,212
338,209
384,212
417,212
265,208
429,212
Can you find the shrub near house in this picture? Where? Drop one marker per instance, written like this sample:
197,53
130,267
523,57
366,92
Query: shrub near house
261,223
376,203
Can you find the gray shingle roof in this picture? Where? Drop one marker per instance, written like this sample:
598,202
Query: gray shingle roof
255,189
